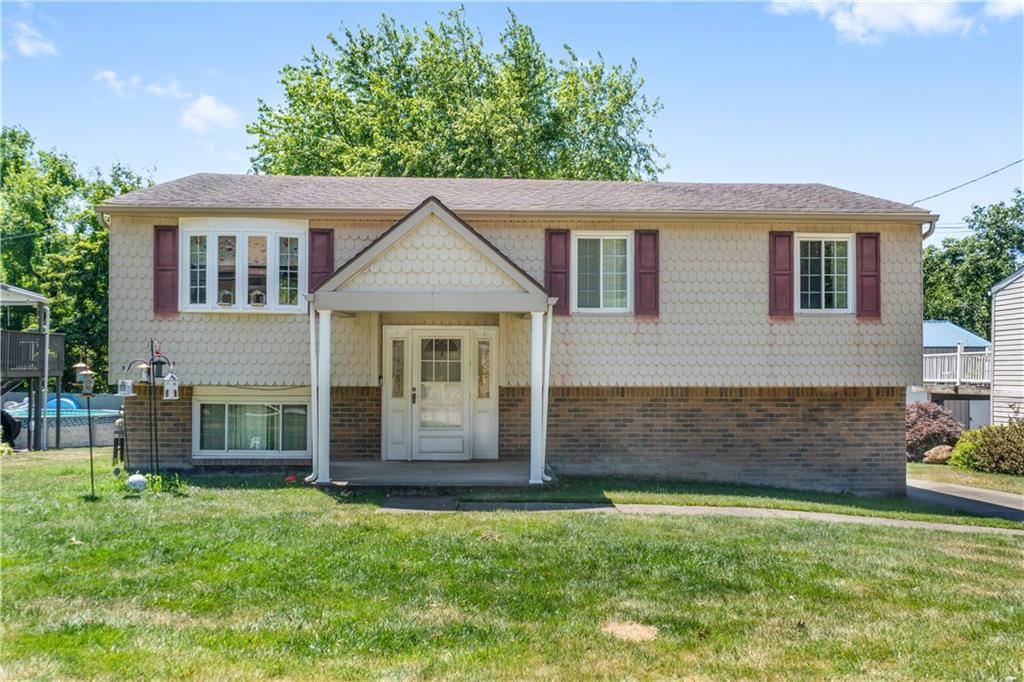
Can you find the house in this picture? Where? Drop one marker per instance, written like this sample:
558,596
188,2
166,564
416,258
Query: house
754,333
957,372
1008,349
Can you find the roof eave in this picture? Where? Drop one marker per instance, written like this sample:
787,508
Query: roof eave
916,218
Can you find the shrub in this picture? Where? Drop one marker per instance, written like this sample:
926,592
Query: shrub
928,425
996,449
6,449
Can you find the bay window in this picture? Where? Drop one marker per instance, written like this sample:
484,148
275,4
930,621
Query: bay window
235,264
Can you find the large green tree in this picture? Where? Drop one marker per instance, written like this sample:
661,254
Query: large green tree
434,102
959,274
52,242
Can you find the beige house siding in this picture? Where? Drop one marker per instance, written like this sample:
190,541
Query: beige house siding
1008,353
713,329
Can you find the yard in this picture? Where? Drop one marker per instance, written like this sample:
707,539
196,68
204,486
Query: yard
978,479
254,577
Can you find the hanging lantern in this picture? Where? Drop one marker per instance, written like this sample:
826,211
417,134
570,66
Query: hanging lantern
125,388
88,382
80,368
170,387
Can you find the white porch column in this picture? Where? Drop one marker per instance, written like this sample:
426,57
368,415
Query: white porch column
323,470
314,401
537,398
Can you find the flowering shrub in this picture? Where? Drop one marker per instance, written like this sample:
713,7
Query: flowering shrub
928,425
997,449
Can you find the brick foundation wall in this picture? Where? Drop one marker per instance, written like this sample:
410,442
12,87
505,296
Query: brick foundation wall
174,428
355,422
833,439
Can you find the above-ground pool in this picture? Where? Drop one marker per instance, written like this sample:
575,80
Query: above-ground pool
65,412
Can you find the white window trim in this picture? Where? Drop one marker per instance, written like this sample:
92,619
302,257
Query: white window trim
246,454
241,229
851,273
574,273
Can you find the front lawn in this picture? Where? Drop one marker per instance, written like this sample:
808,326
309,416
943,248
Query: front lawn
254,578
941,473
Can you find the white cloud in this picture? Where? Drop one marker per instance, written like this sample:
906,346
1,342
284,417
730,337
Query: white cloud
116,84
863,21
206,112
172,89
31,43
1004,9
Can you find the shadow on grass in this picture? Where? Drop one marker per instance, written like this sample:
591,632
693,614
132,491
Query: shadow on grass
640,491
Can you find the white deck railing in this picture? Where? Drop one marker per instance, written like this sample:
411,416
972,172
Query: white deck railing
958,368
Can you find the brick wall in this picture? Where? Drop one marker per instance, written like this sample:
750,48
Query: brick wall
355,422
174,428
835,439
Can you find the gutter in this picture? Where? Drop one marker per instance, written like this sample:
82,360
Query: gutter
397,213
930,231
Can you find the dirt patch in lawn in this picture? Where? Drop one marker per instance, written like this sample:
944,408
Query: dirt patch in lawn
629,631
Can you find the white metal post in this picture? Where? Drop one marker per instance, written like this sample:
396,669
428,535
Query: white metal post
959,362
314,401
323,470
537,398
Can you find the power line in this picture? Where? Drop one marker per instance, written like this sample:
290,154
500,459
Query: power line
23,235
980,177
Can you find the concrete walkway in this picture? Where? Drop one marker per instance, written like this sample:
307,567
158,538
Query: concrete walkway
977,501
431,504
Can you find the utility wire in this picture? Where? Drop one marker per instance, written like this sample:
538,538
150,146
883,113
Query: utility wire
980,177
23,235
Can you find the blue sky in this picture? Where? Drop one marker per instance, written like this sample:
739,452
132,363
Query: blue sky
898,100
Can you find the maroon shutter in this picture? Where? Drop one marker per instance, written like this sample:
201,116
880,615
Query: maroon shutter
869,275
165,269
780,274
321,256
646,272
556,268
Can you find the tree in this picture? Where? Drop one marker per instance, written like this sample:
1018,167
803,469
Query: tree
53,243
959,274
434,102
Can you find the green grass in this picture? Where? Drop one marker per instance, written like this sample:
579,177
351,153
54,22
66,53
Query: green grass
249,578
941,473
628,491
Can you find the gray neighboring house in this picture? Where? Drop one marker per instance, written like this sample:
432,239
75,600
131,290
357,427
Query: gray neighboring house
1008,349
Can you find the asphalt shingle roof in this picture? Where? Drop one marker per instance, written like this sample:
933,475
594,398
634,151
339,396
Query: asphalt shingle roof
263,192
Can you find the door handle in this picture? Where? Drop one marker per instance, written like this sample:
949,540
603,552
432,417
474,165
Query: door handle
413,395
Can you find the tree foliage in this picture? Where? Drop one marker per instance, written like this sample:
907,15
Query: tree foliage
435,103
959,274
52,242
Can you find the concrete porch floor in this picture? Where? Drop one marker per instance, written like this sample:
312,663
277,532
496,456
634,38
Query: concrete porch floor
441,474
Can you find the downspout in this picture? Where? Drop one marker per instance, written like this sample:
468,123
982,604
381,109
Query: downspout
314,417
929,232
547,386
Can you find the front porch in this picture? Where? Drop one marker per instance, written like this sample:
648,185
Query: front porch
362,473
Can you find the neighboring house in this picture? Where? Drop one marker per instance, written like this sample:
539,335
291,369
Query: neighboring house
957,372
1008,349
753,333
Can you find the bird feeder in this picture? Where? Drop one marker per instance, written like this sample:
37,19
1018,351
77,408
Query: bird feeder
170,387
80,369
88,382
159,365
125,388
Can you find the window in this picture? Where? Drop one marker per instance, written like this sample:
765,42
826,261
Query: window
824,267
252,429
254,264
603,267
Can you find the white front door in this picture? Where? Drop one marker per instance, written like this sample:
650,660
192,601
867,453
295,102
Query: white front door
439,393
